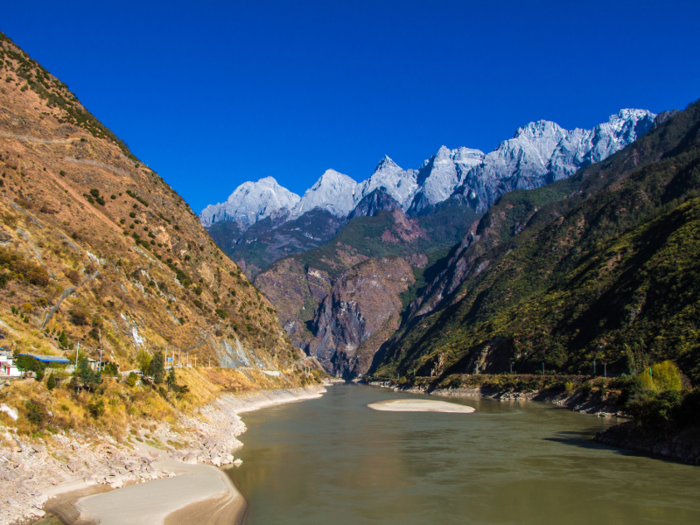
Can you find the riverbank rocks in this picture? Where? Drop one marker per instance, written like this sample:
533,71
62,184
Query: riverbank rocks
680,446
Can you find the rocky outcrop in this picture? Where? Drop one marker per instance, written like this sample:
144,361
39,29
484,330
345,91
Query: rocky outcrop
333,192
359,314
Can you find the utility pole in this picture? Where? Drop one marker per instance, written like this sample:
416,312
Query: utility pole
99,333
77,349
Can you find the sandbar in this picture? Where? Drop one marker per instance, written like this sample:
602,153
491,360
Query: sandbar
420,405
201,494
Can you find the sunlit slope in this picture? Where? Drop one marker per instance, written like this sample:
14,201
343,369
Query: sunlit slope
96,245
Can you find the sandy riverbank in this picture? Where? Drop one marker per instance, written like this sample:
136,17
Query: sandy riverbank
34,478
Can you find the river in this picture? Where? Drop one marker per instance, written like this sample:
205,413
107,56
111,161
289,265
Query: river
334,461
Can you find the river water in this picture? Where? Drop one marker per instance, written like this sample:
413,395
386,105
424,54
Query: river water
334,461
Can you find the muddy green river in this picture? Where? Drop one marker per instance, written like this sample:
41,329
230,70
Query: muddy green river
334,461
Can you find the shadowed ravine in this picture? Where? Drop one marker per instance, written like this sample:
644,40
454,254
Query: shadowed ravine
333,460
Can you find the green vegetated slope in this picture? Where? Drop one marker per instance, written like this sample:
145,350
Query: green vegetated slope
608,275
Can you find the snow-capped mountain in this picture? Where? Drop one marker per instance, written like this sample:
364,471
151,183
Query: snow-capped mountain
400,184
333,192
543,152
581,147
251,202
442,173
539,153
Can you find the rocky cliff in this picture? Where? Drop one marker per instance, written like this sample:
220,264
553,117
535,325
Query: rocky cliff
359,313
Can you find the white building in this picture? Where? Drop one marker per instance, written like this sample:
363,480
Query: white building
7,364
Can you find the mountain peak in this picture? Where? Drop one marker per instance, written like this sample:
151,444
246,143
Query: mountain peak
333,192
250,202
538,129
386,163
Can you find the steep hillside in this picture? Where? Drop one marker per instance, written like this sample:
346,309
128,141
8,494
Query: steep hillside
96,246
608,273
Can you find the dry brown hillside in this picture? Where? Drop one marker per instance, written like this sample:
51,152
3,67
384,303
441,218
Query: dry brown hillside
96,245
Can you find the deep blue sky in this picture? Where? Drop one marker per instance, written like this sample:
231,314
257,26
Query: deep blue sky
211,94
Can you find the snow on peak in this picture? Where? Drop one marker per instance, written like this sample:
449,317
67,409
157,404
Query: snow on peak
543,152
442,173
333,192
386,163
250,202
400,184
539,153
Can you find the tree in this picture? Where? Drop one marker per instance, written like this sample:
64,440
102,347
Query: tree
86,377
63,339
156,368
666,376
132,379
171,380
51,382
143,358
26,363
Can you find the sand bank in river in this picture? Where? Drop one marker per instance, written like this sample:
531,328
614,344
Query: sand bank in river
419,405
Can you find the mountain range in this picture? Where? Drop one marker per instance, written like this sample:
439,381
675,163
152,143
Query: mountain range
538,154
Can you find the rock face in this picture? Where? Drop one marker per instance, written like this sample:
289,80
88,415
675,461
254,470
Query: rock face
268,240
441,174
251,202
400,184
361,311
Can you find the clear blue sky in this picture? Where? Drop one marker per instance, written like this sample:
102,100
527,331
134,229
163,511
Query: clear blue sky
211,94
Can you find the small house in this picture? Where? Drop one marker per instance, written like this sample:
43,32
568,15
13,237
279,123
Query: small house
7,364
